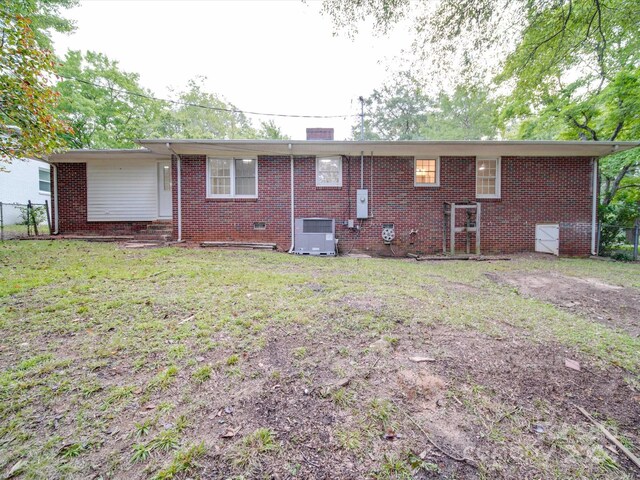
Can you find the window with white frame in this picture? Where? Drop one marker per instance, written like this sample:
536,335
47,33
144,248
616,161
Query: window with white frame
44,180
427,172
328,171
232,177
488,178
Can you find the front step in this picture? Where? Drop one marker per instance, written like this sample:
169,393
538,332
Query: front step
160,227
161,230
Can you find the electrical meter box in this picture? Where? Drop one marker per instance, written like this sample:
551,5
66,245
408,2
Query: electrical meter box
362,203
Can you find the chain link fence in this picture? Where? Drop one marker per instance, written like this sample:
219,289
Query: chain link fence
619,241
24,220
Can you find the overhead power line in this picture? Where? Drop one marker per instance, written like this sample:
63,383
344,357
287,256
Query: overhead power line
196,105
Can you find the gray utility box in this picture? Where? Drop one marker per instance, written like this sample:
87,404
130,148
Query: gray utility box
315,236
362,203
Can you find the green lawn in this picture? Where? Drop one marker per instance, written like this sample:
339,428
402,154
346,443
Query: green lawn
190,363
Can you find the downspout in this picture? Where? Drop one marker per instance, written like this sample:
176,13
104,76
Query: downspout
179,187
56,222
54,204
594,208
293,228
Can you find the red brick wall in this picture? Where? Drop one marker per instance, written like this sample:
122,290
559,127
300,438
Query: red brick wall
72,205
534,190
233,219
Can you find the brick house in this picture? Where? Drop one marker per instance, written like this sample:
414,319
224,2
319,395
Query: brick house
241,190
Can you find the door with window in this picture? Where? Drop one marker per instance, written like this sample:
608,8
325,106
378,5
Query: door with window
164,190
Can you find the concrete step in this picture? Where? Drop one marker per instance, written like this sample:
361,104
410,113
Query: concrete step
160,227
153,236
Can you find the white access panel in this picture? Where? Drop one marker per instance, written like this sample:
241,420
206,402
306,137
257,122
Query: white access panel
548,238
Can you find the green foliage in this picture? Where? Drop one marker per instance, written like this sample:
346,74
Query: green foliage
141,452
165,441
257,443
45,16
201,114
105,105
28,126
33,215
571,70
403,110
202,374
183,462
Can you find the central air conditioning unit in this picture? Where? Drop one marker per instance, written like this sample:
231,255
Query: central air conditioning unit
315,236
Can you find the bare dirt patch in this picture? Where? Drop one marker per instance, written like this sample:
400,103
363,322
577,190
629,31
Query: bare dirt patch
611,305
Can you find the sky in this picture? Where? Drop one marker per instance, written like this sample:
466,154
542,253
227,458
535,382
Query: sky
264,56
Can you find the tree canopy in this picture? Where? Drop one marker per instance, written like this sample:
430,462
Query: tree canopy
44,16
28,125
403,110
565,69
106,106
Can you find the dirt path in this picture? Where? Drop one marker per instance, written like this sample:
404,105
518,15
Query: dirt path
611,305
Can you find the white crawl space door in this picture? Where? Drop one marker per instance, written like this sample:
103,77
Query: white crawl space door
548,238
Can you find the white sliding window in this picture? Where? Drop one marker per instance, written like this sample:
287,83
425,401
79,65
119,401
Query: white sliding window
232,178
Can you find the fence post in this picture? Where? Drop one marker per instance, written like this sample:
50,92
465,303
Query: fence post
1,222
636,233
46,207
599,239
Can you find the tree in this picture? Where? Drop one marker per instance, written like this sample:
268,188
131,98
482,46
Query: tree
196,113
398,110
270,131
44,15
402,110
570,68
28,126
106,106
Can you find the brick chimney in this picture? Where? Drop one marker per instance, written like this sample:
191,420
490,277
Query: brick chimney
319,133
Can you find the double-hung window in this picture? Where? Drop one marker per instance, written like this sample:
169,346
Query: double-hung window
44,180
488,178
328,171
232,178
427,172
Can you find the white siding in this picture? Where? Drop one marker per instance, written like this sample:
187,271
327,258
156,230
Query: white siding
19,183
121,190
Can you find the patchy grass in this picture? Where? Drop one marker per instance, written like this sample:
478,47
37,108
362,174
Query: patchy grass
175,363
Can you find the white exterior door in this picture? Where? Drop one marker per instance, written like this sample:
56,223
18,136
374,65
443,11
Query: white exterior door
548,238
164,190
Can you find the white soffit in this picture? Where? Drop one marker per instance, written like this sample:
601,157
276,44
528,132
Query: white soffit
412,149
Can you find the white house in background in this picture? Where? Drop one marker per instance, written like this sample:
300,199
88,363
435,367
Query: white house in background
21,181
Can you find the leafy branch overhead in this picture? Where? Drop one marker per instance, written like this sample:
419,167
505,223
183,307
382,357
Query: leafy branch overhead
28,124
560,69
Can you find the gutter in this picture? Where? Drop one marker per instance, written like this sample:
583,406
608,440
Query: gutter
594,208
179,187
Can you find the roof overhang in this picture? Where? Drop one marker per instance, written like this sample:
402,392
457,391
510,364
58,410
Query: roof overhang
163,149
388,148
81,156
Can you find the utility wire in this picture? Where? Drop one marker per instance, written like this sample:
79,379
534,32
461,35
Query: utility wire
205,107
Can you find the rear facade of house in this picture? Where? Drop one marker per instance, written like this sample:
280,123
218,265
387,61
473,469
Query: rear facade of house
242,191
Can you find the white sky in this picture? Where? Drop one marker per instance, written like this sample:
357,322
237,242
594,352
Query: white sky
264,56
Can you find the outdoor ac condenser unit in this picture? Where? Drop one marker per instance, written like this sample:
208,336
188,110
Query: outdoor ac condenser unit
315,236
